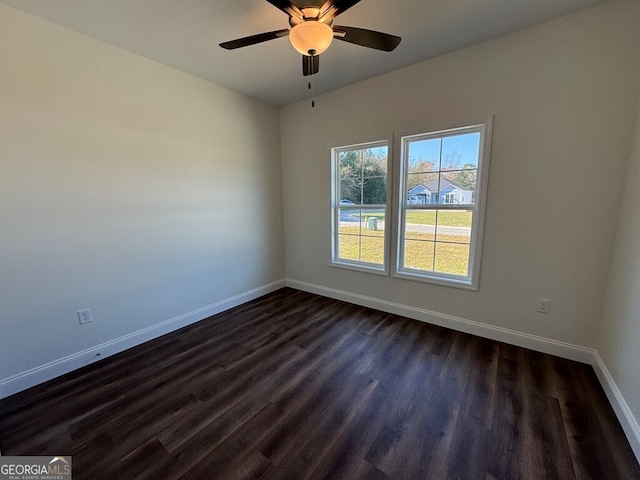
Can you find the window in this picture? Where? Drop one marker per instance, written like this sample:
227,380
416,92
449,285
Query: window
435,218
359,206
440,241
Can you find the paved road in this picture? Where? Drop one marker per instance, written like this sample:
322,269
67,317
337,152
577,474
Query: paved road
444,230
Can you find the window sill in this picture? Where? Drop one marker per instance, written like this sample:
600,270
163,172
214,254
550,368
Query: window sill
437,280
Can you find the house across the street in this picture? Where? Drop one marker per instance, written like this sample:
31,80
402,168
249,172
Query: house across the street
449,193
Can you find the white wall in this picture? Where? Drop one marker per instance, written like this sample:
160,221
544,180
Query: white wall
563,94
127,187
619,342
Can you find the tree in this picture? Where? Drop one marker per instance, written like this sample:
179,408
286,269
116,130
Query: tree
451,160
350,177
464,175
467,176
420,172
363,177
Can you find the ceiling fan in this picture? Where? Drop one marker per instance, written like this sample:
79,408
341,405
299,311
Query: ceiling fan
312,31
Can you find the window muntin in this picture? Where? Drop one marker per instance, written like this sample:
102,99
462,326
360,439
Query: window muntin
440,209
359,205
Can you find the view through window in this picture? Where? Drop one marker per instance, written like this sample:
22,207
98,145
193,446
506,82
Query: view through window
437,216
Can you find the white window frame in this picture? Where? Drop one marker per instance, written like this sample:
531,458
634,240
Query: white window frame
359,265
471,281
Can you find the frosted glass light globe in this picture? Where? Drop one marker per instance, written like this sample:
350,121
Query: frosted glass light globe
311,37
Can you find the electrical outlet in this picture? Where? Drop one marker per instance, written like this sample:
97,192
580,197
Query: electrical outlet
84,316
544,304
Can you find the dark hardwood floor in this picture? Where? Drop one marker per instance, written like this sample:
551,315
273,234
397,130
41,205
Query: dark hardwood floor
297,386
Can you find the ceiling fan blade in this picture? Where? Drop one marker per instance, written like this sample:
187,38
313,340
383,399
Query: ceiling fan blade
367,38
288,7
254,39
333,8
310,65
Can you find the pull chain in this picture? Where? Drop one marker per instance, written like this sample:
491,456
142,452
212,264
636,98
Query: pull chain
313,93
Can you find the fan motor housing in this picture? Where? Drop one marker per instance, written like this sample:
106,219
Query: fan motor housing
309,14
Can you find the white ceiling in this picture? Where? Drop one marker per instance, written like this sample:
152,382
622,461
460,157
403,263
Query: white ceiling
185,34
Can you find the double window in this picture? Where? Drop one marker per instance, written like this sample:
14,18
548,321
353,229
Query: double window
431,229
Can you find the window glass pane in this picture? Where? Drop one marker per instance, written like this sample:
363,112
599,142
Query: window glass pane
416,165
350,163
459,151
374,191
458,187
452,258
363,176
454,226
423,155
462,183
349,220
420,225
372,250
349,247
362,248
419,255
351,190
372,222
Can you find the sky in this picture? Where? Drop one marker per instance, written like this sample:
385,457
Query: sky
465,147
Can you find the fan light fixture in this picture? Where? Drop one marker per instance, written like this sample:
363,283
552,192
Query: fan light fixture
311,37
312,31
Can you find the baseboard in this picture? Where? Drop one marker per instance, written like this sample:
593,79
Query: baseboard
48,371
620,407
512,337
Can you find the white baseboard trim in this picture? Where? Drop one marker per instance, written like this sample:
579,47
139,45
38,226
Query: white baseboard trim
48,371
545,345
620,407
512,337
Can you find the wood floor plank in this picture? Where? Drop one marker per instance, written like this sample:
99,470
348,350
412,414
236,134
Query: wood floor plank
506,455
548,448
307,453
468,455
294,385
478,401
344,458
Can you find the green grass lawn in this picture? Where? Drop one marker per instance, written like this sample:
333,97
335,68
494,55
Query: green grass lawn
421,251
